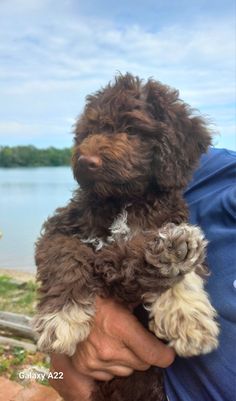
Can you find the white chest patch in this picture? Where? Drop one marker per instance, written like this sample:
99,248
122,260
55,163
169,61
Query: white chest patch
118,229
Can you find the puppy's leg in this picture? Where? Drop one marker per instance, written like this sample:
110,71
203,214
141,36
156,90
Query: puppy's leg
184,316
60,331
66,292
177,250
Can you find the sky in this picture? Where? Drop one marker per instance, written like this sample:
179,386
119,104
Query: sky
55,52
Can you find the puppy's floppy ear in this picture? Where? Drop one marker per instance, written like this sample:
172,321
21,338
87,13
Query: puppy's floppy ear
180,139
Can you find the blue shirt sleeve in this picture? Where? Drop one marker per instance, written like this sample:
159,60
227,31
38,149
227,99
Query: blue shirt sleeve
212,201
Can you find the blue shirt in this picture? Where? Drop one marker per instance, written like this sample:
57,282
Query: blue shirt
212,201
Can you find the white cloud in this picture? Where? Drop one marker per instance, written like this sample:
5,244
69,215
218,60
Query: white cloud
55,55
15,128
22,128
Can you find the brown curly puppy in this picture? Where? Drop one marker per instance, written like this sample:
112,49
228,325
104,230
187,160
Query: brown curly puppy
124,233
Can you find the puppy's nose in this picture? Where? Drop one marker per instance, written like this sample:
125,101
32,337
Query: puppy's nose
91,163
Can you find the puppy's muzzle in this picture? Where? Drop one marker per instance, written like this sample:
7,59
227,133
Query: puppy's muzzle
89,165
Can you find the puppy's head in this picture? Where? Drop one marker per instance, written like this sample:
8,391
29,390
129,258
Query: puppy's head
133,135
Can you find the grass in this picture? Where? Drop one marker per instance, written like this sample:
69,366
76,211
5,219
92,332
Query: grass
15,359
18,297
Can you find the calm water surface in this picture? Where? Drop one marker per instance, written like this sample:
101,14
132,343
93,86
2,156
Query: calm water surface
27,197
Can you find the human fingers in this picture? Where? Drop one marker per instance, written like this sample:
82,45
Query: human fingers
108,373
119,323
107,354
145,345
122,357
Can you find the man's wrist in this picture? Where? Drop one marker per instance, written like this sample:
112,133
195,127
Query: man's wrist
75,386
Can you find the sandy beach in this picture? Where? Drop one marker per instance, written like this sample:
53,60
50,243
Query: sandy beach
18,275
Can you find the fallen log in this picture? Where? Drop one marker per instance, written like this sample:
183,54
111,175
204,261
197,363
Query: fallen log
16,324
17,343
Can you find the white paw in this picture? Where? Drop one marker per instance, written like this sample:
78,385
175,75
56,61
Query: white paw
198,339
184,316
61,331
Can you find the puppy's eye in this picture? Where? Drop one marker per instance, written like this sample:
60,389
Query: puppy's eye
77,151
82,137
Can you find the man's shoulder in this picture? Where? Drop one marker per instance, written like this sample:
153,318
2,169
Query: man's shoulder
216,171
216,159
211,197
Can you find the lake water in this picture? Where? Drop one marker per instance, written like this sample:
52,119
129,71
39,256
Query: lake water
27,197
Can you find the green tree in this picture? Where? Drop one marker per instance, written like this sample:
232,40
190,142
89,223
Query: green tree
30,156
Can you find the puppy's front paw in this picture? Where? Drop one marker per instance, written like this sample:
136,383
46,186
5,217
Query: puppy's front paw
191,338
200,338
177,249
184,316
61,331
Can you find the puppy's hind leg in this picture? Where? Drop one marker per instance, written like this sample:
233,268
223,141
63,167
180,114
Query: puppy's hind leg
184,316
60,330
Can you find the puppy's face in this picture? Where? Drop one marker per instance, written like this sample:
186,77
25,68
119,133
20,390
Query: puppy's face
115,163
132,136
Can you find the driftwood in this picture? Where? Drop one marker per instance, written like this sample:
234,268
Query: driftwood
17,343
15,317
16,325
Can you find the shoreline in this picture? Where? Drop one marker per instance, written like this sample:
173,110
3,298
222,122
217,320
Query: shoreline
19,275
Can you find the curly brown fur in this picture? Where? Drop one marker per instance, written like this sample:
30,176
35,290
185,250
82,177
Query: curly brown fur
136,146
124,388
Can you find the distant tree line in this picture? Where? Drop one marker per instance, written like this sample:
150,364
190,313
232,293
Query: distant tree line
30,156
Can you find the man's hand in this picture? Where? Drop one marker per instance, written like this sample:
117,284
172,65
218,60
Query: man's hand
117,345
74,386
